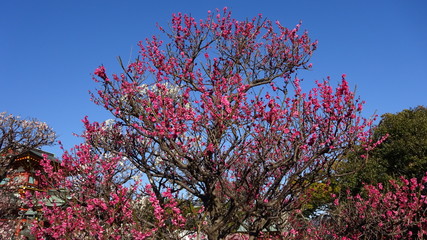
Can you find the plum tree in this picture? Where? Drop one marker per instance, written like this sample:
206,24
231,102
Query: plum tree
217,114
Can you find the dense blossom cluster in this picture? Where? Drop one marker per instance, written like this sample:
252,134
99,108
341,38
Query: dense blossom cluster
94,197
378,213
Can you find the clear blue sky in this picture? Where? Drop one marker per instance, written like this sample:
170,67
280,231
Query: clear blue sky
49,49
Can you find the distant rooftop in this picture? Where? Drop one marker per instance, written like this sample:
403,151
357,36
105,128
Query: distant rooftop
37,153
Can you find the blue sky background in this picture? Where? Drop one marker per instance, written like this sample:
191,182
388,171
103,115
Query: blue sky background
49,49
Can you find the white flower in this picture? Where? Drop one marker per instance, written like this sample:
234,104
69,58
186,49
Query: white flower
108,124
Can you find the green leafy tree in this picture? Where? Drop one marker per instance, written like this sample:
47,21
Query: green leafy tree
403,153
